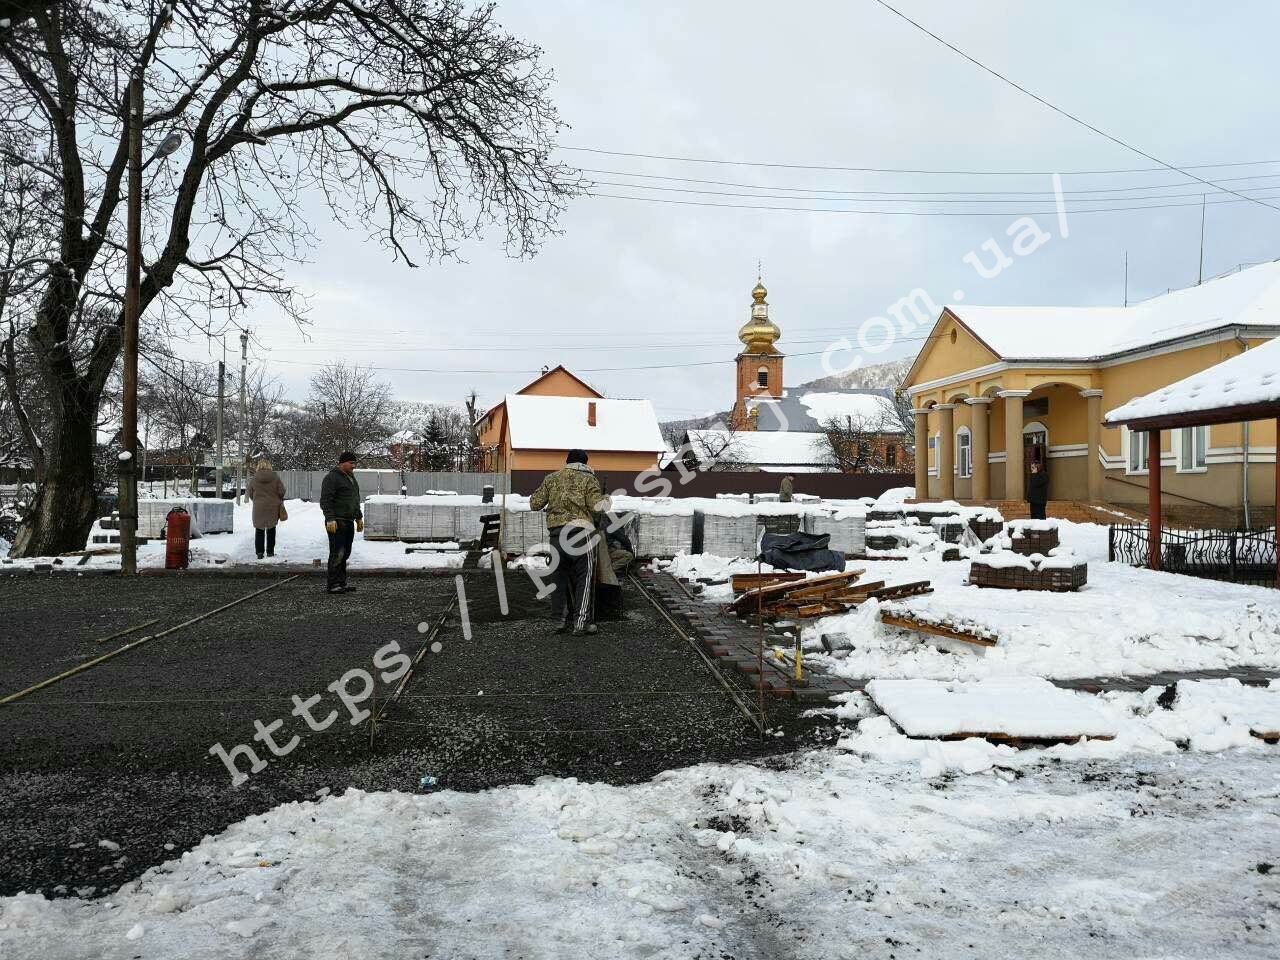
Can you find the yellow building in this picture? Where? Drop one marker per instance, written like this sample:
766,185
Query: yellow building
995,388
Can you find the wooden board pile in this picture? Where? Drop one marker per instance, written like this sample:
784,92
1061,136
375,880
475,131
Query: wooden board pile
790,596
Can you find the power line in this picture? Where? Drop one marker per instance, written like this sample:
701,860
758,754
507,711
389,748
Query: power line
909,170
776,196
1043,194
918,213
1070,116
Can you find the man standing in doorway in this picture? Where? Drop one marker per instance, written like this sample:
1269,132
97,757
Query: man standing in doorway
787,489
572,497
340,503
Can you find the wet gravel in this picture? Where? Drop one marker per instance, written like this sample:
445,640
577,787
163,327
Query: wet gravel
120,753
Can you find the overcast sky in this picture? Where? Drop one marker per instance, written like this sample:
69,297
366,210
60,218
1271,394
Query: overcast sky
632,283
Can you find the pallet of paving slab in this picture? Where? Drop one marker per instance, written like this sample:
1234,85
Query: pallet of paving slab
950,632
742,582
762,595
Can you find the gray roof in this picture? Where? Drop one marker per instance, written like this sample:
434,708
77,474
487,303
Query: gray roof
790,415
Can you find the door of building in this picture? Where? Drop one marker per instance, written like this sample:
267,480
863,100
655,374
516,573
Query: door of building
1035,449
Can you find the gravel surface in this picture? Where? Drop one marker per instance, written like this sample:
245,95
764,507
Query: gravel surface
120,753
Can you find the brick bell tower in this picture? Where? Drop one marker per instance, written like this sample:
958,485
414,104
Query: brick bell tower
760,362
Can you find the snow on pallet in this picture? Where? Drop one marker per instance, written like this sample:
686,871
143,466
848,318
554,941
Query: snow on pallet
1257,708
1007,709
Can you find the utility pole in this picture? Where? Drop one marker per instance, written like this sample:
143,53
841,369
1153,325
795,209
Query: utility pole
222,396
1126,278
127,496
244,371
1200,279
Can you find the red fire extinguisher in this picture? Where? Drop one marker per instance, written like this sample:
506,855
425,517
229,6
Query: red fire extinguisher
177,552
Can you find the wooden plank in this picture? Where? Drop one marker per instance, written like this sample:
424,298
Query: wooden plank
747,602
937,630
1015,741
743,582
1267,736
898,590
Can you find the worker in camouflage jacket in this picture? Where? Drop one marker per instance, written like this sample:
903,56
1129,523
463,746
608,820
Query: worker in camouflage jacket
572,496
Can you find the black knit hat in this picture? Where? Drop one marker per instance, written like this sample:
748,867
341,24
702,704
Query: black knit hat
576,456
346,457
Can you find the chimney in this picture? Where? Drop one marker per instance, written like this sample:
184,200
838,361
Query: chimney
591,413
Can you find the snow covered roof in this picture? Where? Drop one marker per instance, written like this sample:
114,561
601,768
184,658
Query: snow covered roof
1248,298
761,448
872,408
561,423
1227,391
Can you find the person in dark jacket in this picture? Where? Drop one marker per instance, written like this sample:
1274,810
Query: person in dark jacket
266,490
1037,490
340,503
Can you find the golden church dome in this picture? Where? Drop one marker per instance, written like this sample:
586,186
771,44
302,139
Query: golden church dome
759,333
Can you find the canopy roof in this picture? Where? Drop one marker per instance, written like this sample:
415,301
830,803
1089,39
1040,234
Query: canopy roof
1245,387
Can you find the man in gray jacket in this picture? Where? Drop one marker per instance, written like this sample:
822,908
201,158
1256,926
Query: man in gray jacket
340,502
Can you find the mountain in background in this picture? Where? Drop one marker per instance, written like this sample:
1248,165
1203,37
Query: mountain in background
890,375
879,376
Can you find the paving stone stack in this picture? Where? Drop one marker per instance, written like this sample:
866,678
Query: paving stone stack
661,535
1027,539
381,519
207,516
848,534
730,536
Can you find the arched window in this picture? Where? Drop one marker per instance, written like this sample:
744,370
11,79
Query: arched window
964,453
762,377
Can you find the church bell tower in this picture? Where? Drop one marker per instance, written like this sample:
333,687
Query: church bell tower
760,362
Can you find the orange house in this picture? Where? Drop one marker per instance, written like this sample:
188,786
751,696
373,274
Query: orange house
535,428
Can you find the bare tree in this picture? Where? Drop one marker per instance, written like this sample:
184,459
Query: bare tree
180,405
856,444
420,121
901,419
714,448
352,410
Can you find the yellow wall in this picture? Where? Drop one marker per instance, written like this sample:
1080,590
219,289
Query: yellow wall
944,358
601,462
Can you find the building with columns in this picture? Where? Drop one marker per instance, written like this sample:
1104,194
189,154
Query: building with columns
996,388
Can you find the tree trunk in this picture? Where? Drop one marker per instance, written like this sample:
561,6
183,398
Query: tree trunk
64,506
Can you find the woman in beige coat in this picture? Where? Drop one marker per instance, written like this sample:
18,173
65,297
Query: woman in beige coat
266,490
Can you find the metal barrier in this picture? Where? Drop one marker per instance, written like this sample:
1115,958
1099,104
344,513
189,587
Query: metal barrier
1236,556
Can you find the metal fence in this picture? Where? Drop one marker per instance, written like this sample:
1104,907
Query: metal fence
305,484
1235,556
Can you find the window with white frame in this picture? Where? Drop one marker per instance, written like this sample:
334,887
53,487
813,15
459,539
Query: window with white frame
1193,445
964,453
1139,451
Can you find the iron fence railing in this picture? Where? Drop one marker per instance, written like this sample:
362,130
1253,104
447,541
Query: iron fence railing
1238,556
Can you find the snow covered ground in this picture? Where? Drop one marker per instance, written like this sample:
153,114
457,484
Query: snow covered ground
299,540
1125,622
839,855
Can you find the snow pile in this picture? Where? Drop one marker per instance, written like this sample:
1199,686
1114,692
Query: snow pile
1217,714
1028,707
829,857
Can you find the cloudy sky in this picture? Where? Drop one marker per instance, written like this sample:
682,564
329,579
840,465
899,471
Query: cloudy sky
644,296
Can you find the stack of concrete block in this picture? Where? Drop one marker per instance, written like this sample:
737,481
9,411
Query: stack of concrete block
427,521
848,534
207,516
381,519
523,530
467,520
730,536
661,535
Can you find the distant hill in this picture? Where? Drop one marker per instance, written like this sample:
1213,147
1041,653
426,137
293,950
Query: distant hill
888,375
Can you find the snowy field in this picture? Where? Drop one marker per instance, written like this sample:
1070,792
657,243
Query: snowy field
837,856
299,540
1126,621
